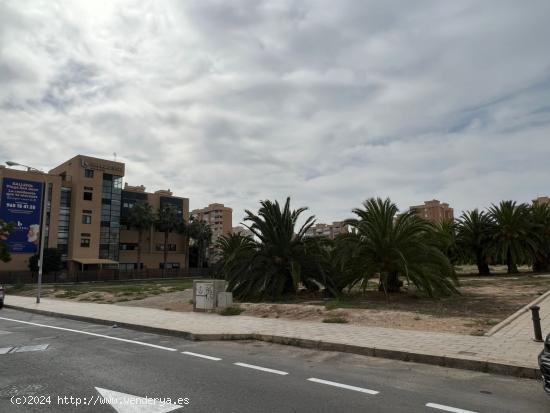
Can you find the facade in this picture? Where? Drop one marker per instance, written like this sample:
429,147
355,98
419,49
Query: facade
86,215
152,247
433,211
328,230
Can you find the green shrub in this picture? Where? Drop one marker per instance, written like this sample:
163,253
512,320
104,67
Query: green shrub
231,311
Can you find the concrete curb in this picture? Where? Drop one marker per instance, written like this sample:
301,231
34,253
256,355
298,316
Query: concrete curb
445,361
517,314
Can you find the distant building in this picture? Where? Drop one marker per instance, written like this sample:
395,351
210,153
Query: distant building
433,211
219,218
242,231
542,200
328,230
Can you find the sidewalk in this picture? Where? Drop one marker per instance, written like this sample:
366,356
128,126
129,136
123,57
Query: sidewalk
510,351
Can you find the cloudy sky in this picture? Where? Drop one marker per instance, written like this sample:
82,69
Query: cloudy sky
329,102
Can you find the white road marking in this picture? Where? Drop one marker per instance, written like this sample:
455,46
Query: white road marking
343,386
447,408
5,350
128,403
25,349
91,334
204,356
252,366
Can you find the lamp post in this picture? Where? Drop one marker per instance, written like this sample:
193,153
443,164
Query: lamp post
42,226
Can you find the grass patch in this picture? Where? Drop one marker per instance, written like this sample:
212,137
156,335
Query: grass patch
335,320
228,311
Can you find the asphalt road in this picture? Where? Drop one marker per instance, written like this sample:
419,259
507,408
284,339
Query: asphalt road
77,363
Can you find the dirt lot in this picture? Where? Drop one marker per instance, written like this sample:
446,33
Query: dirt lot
483,302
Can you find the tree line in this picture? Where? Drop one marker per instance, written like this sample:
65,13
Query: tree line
384,245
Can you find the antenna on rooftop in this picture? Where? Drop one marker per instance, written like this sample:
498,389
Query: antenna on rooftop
114,154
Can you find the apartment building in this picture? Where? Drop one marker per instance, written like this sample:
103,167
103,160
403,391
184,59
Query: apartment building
152,247
86,212
433,211
328,230
218,217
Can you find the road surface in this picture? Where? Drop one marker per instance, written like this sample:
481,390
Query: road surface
46,361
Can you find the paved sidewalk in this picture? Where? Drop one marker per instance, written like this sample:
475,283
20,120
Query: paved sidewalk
511,351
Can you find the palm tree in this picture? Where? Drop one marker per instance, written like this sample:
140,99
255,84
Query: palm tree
275,261
167,221
445,236
390,246
5,230
141,218
184,229
512,239
540,220
474,237
201,233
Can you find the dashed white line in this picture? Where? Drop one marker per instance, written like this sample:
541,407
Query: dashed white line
204,356
343,386
92,334
447,408
252,366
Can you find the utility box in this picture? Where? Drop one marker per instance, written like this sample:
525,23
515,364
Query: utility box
225,299
205,294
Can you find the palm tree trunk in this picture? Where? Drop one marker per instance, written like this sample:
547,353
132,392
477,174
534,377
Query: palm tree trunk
140,236
391,284
165,253
186,255
512,267
482,266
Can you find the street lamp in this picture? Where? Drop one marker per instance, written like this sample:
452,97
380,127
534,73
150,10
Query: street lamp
42,227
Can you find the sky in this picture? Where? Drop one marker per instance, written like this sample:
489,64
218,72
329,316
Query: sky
328,102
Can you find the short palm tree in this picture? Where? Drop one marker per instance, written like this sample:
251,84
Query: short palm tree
389,246
474,237
513,241
141,218
540,220
167,221
5,231
276,260
201,233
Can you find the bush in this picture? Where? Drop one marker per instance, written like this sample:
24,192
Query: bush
52,261
231,311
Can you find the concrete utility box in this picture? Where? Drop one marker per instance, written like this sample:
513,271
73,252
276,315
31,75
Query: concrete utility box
225,299
205,294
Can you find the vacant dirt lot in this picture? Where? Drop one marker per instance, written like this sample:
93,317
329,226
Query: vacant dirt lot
483,302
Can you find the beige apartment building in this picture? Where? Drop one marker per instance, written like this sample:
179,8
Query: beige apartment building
218,217
87,214
434,211
328,230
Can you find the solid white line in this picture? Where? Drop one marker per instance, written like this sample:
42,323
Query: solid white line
447,408
343,386
91,334
252,366
204,356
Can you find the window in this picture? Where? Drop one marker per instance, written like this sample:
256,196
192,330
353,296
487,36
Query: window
169,247
85,242
86,219
87,196
127,246
89,173
170,265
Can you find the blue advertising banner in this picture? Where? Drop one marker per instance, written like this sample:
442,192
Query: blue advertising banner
21,204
